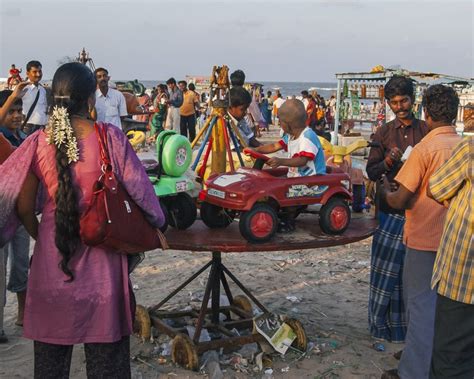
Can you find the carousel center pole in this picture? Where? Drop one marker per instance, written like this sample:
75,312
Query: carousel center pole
218,163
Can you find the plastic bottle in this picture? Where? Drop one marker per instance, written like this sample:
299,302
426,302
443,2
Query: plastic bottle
363,91
345,89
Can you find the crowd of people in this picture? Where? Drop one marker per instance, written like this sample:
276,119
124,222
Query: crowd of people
319,112
178,106
422,272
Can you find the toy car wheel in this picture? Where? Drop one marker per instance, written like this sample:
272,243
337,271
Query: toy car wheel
181,210
216,217
177,155
334,216
259,224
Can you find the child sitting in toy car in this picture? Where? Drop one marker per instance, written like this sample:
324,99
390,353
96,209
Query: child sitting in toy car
306,156
305,153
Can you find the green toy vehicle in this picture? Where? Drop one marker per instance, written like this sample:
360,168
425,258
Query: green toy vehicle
169,180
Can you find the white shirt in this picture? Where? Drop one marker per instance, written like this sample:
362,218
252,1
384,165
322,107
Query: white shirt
111,107
278,102
306,145
40,113
244,128
305,102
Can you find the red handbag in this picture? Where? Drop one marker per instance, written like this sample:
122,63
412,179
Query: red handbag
112,219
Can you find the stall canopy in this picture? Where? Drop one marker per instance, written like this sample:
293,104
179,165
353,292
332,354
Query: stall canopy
353,88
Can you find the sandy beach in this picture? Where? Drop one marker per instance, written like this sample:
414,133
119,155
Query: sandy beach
331,286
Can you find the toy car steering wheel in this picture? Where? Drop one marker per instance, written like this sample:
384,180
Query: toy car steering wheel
256,155
260,159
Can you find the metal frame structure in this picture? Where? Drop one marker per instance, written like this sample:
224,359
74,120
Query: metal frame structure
218,274
84,58
223,334
218,132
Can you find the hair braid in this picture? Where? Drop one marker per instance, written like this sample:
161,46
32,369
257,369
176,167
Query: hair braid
73,85
67,213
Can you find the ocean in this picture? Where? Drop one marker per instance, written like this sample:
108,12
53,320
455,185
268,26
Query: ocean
294,88
325,89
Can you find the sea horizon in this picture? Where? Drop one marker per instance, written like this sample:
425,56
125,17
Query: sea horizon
287,88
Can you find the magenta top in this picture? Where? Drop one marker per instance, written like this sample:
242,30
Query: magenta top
96,306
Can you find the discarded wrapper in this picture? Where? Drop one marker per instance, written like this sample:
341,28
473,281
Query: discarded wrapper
378,346
278,334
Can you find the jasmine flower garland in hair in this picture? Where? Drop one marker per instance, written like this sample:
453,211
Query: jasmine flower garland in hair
60,132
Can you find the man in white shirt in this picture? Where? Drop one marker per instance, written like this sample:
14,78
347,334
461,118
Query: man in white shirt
110,104
35,103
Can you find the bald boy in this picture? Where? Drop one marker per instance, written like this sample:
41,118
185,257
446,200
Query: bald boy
305,153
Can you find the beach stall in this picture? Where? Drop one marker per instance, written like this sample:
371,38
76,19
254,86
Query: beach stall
360,97
202,83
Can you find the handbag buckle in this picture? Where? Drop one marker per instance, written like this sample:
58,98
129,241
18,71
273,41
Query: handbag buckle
127,206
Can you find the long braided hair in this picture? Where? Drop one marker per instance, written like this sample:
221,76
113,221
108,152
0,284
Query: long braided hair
73,84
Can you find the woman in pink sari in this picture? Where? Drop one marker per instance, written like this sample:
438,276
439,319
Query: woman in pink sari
76,293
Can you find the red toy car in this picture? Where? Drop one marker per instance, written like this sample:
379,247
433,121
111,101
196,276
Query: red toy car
259,196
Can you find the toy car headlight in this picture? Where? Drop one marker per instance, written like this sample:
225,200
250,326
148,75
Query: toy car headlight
346,184
181,156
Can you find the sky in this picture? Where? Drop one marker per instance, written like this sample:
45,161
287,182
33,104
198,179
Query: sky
272,40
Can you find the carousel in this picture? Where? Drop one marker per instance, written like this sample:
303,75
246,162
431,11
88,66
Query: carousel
229,312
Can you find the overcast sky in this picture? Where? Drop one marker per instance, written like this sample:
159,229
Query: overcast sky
270,40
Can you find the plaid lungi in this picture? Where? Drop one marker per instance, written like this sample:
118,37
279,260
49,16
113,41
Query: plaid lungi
386,308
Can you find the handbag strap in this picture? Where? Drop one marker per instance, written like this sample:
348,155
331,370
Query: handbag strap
101,133
32,108
106,164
